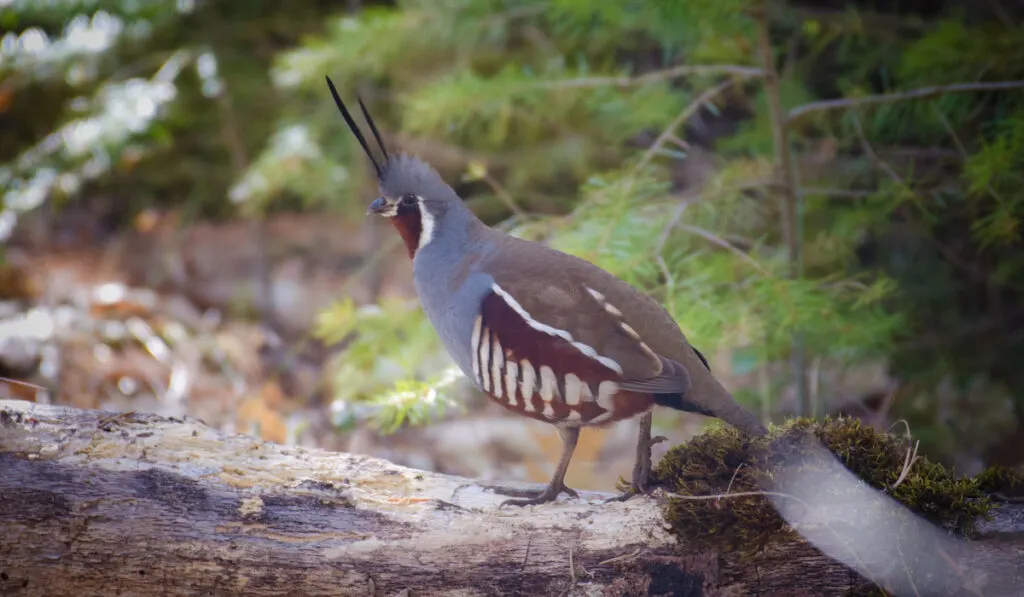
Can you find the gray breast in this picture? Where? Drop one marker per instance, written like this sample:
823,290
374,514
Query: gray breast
450,304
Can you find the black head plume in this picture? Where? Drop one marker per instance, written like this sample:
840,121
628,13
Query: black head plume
373,126
355,129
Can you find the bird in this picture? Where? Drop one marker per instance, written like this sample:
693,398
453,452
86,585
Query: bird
543,333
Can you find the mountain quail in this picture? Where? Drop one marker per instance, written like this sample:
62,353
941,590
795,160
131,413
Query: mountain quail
544,334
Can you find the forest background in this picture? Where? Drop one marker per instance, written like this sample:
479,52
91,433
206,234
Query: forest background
826,195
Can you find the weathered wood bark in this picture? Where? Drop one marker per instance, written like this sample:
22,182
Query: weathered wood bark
98,504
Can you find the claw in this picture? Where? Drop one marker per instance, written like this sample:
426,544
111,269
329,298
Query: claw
532,496
625,495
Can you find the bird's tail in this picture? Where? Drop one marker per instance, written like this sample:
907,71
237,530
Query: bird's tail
709,395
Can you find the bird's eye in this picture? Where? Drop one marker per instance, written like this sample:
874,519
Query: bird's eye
409,200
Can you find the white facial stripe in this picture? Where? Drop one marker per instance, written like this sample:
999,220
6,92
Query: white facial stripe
426,225
540,327
601,418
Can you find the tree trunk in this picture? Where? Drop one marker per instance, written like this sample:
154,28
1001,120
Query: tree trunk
93,503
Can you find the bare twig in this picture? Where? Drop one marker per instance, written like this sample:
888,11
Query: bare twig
840,193
572,566
961,148
887,24
911,456
667,134
502,194
623,557
670,280
681,144
721,242
784,175
887,98
908,463
683,116
26,384
738,494
677,214
870,152
655,76
952,133
892,174
728,488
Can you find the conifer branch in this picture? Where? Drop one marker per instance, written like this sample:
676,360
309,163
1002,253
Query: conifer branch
887,98
656,76
683,116
714,239
789,196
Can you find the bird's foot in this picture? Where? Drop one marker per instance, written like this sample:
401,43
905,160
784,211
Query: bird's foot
531,497
641,471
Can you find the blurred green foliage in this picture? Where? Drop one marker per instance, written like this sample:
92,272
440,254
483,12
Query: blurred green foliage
910,210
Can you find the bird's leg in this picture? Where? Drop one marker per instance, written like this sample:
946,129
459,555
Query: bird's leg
642,465
569,435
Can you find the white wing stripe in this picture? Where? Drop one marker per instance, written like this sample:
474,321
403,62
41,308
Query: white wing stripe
540,327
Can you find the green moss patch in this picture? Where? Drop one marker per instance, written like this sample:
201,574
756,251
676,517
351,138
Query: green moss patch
1002,482
710,464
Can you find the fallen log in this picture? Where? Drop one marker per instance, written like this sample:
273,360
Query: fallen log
95,503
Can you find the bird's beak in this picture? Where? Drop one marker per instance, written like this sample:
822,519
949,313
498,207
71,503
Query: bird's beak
378,207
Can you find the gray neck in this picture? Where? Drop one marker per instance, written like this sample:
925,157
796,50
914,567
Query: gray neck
454,230
448,284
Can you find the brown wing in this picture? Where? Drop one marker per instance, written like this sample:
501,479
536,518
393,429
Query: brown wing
563,297
618,322
541,375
